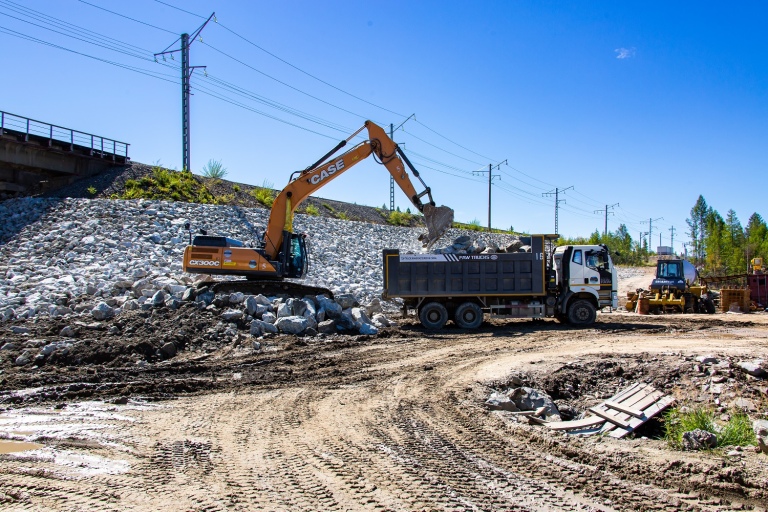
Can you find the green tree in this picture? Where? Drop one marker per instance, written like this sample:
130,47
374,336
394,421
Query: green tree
697,225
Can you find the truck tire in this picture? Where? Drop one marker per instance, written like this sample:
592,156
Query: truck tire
581,312
433,315
468,316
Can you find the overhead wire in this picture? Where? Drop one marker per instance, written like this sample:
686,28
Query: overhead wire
127,17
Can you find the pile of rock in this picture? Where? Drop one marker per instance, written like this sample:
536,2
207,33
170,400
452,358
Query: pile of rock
523,398
63,257
484,244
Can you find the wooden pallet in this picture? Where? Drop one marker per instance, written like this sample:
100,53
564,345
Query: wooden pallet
619,415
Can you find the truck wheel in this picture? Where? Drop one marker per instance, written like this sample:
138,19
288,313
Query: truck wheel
433,315
468,316
581,312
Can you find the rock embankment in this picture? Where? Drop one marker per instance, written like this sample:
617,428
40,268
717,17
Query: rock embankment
70,257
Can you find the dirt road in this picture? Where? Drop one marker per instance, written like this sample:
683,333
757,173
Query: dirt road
393,422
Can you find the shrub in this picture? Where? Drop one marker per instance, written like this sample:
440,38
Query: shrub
342,216
397,218
236,188
214,169
167,185
92,190
737,431
265,196
312,210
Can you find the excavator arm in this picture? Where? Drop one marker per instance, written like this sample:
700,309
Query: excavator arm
303,183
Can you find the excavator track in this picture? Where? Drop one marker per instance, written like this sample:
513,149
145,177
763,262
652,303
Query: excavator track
269,287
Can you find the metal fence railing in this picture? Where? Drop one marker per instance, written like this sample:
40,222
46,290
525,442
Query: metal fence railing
30,127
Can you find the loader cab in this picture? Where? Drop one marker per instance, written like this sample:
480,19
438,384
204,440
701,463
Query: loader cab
669,274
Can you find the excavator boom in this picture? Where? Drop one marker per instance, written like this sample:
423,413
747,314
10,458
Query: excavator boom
283,253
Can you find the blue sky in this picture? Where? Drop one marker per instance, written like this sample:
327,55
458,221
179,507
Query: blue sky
644,104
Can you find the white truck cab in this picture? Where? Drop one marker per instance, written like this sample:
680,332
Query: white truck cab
585,272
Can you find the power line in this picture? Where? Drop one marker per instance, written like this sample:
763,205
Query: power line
127,17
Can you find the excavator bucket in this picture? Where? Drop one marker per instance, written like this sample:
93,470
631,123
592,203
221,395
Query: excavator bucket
437,219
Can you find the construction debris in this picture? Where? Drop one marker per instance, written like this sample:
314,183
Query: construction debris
619,415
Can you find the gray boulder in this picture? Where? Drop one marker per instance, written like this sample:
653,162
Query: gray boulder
269,317
205,298
368,329
285,309
332,309
158,299
232,315
260,327
346,301
347,322
529,399
255,308
168,350
292,324
760,428
24,359
102,311
753,368
327,327
699,440
500,402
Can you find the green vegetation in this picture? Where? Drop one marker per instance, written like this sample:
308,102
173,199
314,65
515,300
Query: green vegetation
163,184
92,190
264,195
342,216
624,251
236,188
214,169
311,210
722,245
737,431
397,218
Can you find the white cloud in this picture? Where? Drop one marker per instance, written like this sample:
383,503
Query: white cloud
624,53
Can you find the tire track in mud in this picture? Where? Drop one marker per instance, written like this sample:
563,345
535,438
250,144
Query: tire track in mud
381,425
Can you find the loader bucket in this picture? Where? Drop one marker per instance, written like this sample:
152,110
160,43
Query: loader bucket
437,219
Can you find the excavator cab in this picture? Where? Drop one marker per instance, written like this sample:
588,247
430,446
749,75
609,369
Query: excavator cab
293,256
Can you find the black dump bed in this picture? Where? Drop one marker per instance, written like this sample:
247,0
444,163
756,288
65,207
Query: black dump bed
440,275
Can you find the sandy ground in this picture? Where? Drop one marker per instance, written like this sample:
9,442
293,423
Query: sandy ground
394,422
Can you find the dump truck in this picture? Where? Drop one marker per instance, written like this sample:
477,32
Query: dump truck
570,283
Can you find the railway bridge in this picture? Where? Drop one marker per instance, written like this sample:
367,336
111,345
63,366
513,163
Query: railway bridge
37,157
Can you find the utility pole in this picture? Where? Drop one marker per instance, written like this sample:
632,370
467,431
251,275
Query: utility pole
392,178
672,238
556,193
490,179
186,75
650,230
607,211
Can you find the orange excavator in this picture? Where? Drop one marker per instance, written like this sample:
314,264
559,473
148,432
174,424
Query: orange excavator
282,253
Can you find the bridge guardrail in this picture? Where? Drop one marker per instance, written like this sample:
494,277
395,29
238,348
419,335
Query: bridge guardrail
32,127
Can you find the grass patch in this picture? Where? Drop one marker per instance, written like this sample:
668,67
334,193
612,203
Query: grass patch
311,210
265,196
737,431
92,190
397,218
167,185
